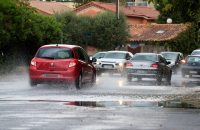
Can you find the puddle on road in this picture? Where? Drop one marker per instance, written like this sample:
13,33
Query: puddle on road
190,83
169,104
163,104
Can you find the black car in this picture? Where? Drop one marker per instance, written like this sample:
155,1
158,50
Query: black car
148,65
191,66
176,59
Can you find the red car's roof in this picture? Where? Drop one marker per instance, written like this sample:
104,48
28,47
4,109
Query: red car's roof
61,45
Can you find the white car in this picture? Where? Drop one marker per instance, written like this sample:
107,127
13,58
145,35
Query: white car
113,62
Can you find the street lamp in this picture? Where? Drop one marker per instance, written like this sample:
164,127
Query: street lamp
169,20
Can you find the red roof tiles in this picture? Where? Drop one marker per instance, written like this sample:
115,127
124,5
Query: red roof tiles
143,32
128,11
48,7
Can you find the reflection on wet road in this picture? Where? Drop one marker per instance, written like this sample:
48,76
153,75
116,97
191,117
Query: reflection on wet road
120,103
56,115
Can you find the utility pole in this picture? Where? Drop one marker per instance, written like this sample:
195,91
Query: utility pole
117,9
61,37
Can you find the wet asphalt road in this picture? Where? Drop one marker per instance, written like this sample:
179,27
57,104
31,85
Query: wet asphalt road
113,103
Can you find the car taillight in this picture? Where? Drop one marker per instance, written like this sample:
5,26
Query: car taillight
185,60
154,65
33,62
72,63
129,64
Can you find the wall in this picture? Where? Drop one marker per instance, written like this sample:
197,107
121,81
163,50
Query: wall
143,49
136,20
152,49
125,48
93,52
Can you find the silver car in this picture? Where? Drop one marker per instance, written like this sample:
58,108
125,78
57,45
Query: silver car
113,62
98,56
148,65
196,52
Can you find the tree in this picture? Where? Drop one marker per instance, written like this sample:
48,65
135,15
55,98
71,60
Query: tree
181,11
106,32
23,30
110,32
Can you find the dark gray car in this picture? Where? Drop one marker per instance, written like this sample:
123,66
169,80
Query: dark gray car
148,65
176,59
191,66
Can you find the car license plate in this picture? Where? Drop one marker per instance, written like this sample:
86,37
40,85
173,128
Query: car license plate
52,75
193,72
107,66
141,71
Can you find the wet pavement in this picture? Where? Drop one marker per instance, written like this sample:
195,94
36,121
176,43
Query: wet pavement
113,103
31,115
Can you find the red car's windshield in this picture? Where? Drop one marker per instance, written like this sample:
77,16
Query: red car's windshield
55,53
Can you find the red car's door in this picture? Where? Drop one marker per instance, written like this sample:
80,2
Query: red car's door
85,65
90,68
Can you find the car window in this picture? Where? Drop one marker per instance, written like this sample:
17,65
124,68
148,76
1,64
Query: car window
161,60
85,55
115,55
145,57
99,55
127,55
55,53
169,56
191,59
164,60
80,54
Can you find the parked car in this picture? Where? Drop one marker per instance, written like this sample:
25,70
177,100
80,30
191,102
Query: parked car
192,66
114,61
148,65
196,52
66,63
176,59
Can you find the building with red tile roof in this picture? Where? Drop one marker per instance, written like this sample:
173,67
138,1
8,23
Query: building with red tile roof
134,14
142,33
157,32
48,8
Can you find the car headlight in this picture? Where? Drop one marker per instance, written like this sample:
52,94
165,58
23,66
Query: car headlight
98,63
120,64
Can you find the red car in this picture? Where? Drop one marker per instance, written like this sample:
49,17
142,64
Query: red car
67,63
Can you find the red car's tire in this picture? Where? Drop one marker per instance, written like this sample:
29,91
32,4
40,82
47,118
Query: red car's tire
93,83
33,83
78,83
